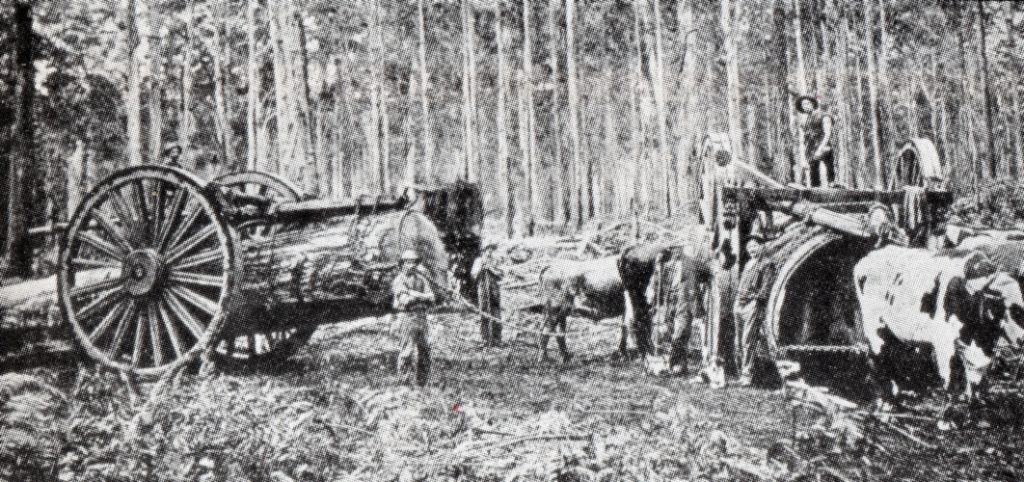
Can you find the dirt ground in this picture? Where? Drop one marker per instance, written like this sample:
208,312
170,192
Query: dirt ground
337,411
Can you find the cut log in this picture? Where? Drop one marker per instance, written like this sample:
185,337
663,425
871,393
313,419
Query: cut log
350,263
28,304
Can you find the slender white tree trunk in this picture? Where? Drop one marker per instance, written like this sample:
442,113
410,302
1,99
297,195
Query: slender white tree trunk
428,139
253,111
133,94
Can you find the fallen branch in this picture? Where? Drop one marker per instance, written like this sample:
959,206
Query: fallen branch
908,435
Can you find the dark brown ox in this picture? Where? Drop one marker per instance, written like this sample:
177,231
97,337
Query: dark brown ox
637,267
591,289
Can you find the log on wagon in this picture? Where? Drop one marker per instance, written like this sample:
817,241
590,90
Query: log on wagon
242,264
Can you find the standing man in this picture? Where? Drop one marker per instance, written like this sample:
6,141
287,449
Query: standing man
692,281
818,142
412,296
751,303
487,273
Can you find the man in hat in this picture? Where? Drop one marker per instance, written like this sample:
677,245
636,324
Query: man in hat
751,305
487,273
818,142
412,296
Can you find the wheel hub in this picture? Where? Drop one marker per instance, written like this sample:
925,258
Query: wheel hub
143,271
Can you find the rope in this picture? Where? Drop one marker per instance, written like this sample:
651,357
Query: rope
469,306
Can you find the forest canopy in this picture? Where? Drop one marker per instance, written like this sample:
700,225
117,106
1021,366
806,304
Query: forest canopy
565,109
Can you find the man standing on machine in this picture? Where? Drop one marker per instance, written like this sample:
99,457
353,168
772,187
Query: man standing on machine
818,142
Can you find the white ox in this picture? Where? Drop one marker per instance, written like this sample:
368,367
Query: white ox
955,301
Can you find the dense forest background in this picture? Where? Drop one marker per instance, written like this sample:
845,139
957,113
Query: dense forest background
565,110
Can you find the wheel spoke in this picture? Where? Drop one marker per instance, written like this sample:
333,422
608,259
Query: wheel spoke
108,225
181,313
126,215
196,299
190,243
172,332
107,322
138,194
95,287
183,228
102,302
139,335
199,259
158,197
102,245
122,329
154,336
93,263
196,279
176,207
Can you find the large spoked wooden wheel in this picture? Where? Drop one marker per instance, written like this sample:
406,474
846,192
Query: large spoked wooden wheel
269,346
146,268
275,188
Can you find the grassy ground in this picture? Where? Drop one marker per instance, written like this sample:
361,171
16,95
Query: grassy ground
337,411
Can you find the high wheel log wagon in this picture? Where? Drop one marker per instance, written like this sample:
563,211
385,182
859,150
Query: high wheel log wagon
814,237
157,265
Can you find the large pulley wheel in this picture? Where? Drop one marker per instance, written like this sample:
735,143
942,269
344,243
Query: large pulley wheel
146,269
269,346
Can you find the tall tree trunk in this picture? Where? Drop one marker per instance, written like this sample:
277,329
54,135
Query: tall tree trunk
221,56
862,122
639,200
469,76
17,252
872,68
428,139
801,171
409,137
344,121
611,156
527,122
524,149
685,130
253,112
186,119
560,190
506,186
385,142
732,79
579,176
314,168
285,136
156,89
664,154
993,156
133,93
847,166
782,152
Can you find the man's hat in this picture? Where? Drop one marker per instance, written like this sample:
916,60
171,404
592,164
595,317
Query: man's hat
410,255
800,101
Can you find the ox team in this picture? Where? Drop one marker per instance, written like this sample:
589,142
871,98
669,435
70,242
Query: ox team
958,302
